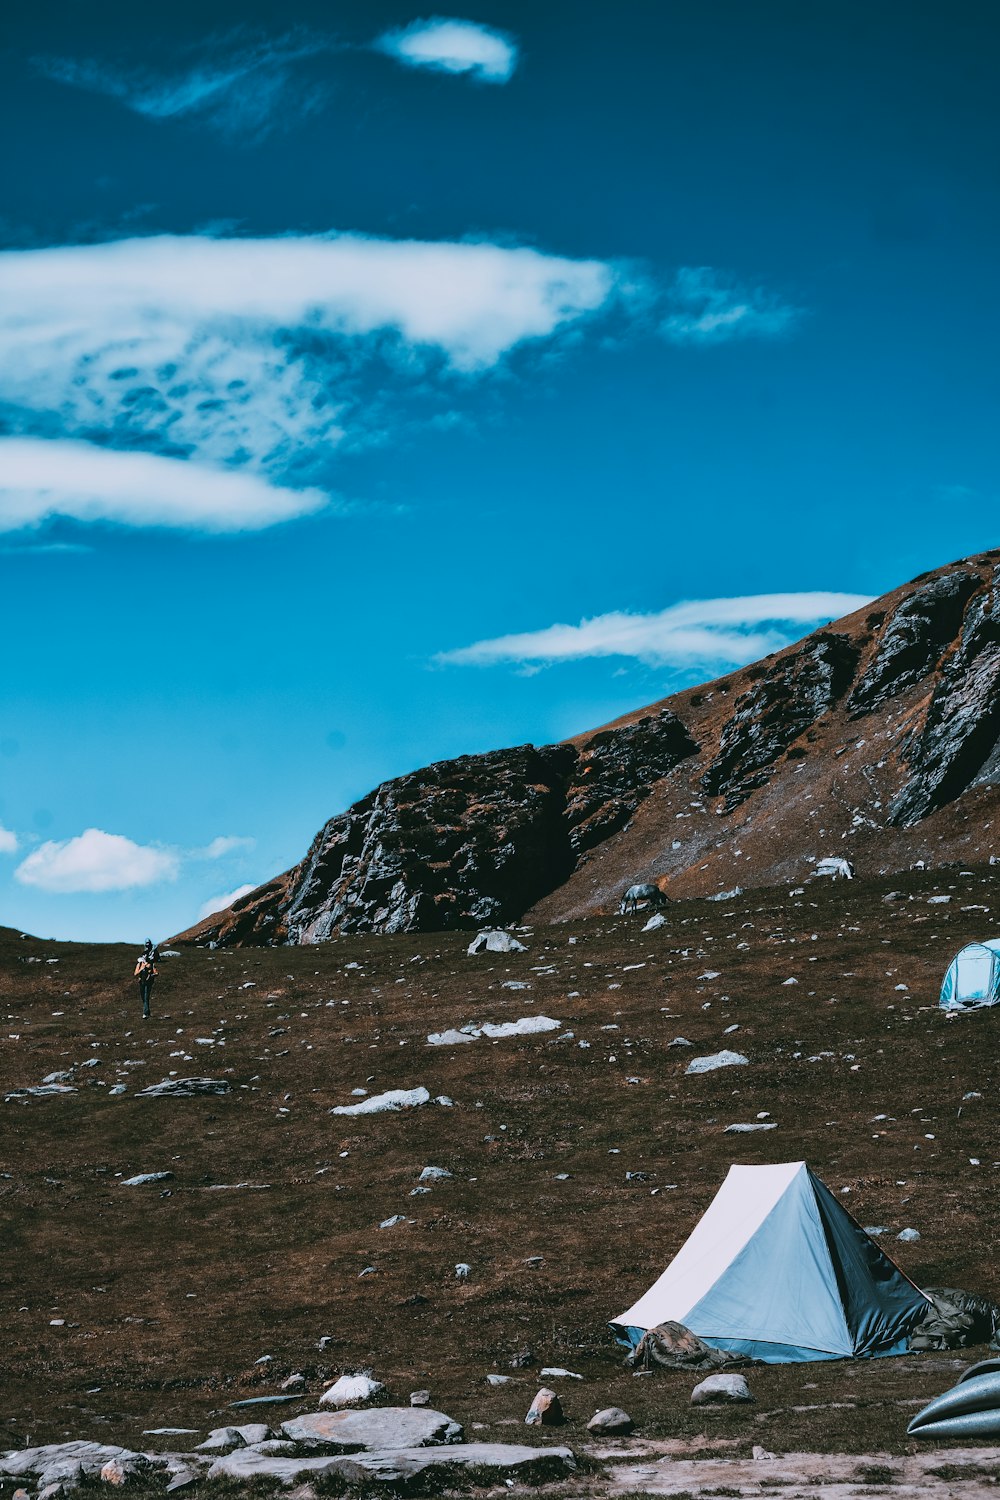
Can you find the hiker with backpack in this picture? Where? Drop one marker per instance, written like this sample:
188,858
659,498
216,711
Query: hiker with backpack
145,973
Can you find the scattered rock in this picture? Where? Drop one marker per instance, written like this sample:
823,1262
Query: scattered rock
655,921
420,1398
557,1372
222,1438
522,1360
143,1177
351,1390
122,1471
295,1382
433,1174
391,1100
721,1388
761,1455
499,1380
495,941
611,1422
908,1236
546,1410
183,1088
723,1059
749,1129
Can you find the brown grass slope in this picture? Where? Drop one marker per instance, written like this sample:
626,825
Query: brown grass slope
875,737
170,1293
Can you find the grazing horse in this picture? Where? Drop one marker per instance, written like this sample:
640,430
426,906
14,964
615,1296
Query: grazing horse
641,895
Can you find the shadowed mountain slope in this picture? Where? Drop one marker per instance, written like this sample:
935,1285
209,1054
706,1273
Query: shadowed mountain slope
875,737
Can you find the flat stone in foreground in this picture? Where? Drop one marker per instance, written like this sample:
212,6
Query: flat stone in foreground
397,1468
381,1427
808,1476
90,1457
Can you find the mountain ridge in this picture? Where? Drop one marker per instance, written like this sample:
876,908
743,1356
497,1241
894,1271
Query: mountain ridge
875,736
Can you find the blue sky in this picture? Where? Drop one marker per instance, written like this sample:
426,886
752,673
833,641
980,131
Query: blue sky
380,384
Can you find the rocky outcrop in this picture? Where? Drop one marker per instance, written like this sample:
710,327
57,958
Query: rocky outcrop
839,746
957,743
616,770
467,842
912,643
787,700
471,842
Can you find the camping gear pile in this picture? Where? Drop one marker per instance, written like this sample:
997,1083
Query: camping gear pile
776,1271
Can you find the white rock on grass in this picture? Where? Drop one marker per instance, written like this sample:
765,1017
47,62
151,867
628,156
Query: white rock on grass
724,1059
143,1177
749,1129
434,1174
611,1422
526,1026
378,1104
495,941
655,921
909,1236
721,1388
557,1372
351,1390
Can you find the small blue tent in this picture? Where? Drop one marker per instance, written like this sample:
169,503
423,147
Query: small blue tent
973,977
777,1270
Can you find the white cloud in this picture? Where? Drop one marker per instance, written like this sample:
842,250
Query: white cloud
220,903
691,634
41,478
453,46
706,308
8,841
265,353
242,89
223,845
96,861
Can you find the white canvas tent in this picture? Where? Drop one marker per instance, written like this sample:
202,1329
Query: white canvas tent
777,1269
973,977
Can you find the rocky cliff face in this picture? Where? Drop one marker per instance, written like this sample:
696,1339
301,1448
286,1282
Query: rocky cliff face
876,738
465,843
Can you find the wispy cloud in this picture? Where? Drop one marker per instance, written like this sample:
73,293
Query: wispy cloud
260,355
703,632
96,861
223,845
41,478
8,841
246,363
220,903
706,307
239,86
448,45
